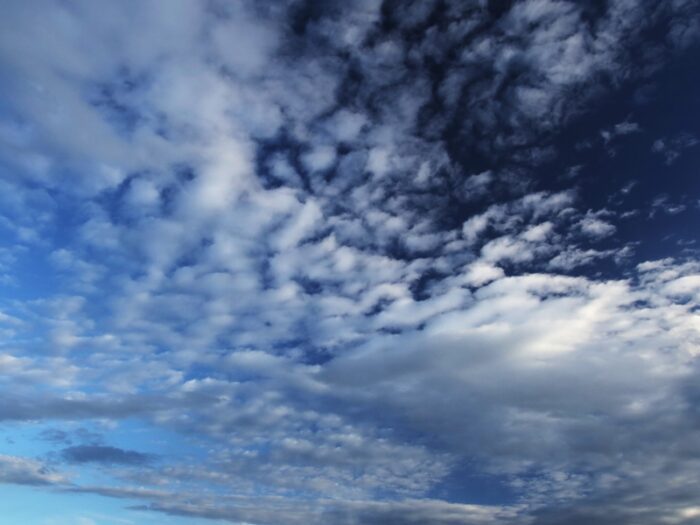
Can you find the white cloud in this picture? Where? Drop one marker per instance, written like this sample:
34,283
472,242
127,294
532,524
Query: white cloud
320,158
595,227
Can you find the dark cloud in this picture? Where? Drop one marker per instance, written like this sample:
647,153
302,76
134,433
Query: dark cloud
104,454
55,435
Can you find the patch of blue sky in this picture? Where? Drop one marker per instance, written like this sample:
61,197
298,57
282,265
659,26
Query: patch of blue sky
38,506
468,483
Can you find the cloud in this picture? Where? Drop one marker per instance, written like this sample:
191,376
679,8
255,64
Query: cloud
319,159
595,227
672,148
405,512
23,471
103,454
620,129
662,204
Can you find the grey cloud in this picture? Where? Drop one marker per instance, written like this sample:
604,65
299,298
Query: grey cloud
508,421
55,435
75,409
405,512
24,471
104,454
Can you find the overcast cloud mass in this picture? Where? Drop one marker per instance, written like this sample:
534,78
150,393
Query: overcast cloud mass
350,262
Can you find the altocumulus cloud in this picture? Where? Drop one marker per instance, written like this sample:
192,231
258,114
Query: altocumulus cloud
351,262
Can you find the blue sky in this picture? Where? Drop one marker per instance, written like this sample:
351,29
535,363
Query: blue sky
359,263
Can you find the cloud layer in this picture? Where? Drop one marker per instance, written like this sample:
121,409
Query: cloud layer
304,263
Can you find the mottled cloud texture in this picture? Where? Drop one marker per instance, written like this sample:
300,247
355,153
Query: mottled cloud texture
310,263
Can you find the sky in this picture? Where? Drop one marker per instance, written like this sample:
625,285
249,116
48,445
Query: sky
374,262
